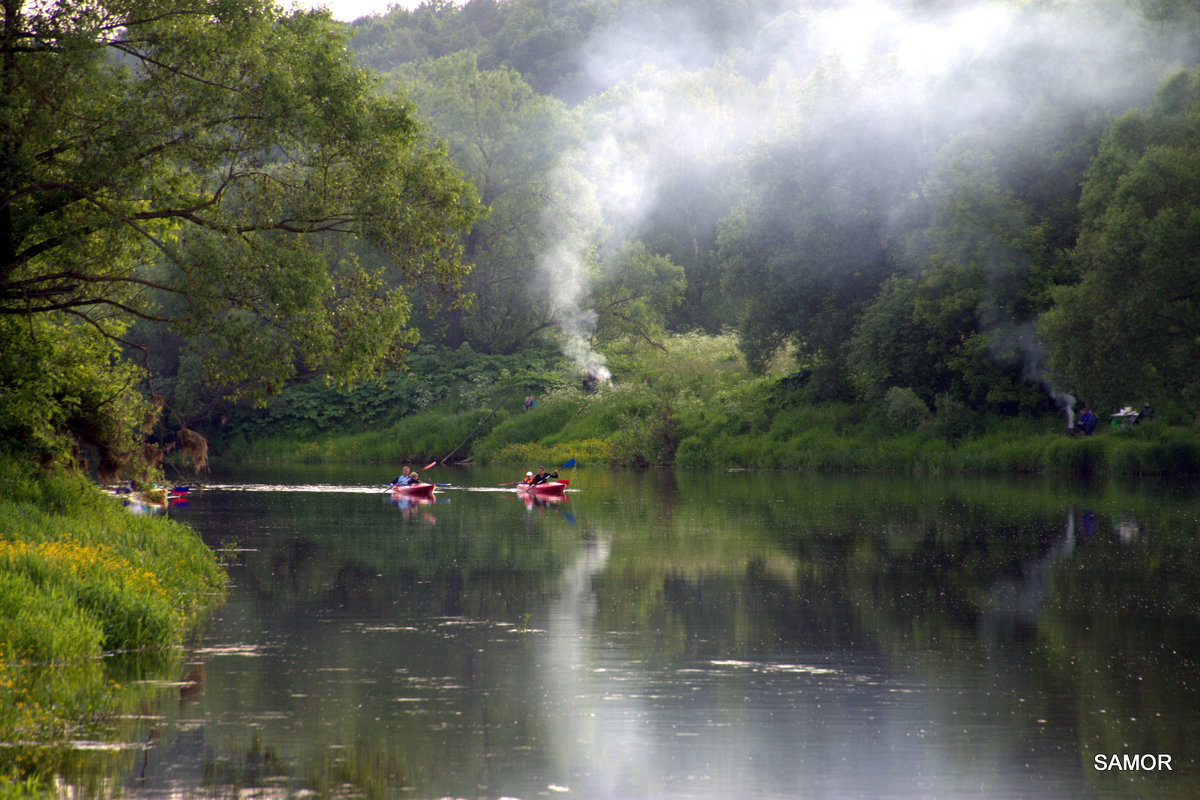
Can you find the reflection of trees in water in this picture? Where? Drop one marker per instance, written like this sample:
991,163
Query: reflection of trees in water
257,769
1056,621
1079,623
1119,632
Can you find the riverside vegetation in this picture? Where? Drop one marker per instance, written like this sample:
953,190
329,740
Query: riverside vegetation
690,403
879,288
80,577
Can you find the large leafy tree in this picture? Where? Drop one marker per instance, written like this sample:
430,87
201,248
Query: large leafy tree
188,162
509,141
1130,328
634,293
812,241
962,327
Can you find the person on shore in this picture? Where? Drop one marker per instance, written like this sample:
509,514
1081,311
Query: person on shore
1147,412
1087,422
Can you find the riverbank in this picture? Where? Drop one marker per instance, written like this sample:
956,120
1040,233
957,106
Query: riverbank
694,404
81,577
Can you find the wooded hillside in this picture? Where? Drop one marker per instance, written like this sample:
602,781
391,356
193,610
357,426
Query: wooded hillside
989,206
936,196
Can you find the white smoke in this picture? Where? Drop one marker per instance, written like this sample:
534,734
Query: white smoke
1022,344
664,103
569,224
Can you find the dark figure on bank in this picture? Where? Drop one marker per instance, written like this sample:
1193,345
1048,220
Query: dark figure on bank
1147,413
1087,422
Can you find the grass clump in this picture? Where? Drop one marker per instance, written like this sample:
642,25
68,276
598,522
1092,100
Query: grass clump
80,576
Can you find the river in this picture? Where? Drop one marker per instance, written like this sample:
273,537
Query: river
699,634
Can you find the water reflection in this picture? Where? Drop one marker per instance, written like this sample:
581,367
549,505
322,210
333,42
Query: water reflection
1015,600
411,507
719,636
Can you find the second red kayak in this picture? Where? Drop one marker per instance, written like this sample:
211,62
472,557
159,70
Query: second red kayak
547,488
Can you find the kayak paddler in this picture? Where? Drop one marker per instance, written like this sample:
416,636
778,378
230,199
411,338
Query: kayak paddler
541,476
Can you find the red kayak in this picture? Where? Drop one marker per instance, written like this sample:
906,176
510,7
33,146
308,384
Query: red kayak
413,490
549,488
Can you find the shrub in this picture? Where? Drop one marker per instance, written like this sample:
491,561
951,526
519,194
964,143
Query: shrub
954,419
904,408
1084,455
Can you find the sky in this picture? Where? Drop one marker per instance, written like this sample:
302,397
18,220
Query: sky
350,10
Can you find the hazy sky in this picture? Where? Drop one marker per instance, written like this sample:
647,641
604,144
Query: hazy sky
350,10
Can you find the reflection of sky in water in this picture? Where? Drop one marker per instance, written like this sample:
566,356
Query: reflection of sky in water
761,729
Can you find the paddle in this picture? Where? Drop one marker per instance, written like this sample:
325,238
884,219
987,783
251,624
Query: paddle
434,463
570,463
393,484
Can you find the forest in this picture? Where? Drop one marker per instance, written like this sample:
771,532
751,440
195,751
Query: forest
754,220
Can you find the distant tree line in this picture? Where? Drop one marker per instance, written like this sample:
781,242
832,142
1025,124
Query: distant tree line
973,204
1013,225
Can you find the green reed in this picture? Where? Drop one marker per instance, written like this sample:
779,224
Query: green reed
693,403
80,576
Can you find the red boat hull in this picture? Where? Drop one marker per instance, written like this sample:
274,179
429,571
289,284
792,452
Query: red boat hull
413,490
549,489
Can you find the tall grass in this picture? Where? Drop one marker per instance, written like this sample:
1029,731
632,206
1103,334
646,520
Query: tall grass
80,576
693,403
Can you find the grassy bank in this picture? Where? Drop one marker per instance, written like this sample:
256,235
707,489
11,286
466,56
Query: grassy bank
694,404
80,576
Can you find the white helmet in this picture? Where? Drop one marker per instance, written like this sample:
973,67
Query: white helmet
528,474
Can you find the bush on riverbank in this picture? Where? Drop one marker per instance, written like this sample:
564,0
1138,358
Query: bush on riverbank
694,404
80,576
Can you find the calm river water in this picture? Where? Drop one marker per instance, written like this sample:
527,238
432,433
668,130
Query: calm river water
688,635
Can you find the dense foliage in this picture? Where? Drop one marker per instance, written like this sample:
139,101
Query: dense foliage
921,201
80,576
1133,320
692,402
193,164
927,209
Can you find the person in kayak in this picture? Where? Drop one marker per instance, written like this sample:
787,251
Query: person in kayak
542,477
528,480
406,478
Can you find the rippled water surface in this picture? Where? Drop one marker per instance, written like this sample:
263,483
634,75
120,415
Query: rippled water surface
685,635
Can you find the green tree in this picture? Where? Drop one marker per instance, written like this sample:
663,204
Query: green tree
509,141
926,335
635,292
188,163
1130,328
813,239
